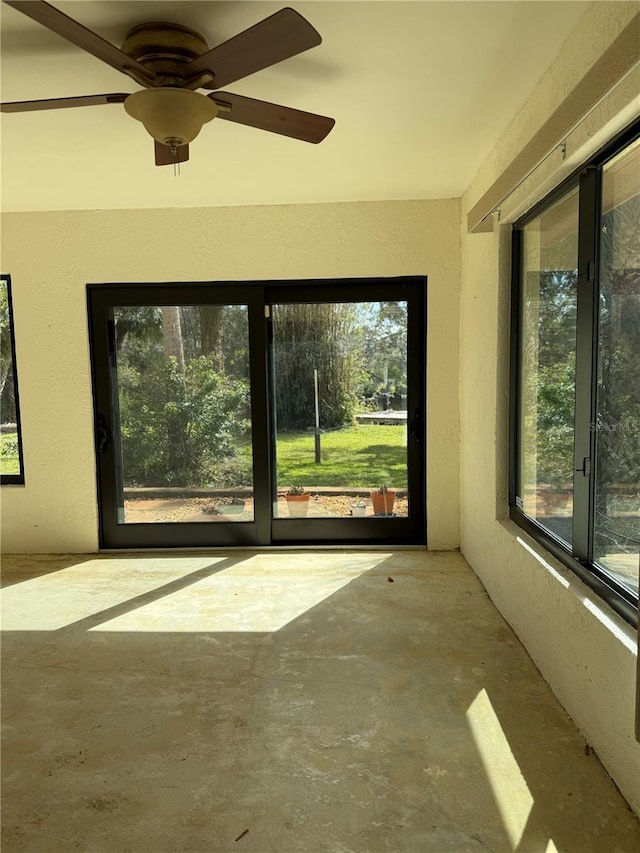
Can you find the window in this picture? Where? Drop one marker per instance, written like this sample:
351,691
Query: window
575,478
549,261
11,469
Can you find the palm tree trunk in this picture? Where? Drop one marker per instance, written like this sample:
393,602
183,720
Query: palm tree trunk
172,335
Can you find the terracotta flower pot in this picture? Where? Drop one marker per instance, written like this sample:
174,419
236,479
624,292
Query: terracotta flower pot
298,505
383,503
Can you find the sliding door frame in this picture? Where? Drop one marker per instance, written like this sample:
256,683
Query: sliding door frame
113,533
102,299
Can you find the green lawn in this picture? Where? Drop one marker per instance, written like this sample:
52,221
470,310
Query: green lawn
361,456
9,461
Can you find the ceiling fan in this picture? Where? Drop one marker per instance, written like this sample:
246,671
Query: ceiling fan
171,61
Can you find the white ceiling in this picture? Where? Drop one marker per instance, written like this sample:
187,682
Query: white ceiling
420,92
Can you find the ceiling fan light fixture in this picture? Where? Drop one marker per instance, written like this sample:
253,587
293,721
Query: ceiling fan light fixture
171,116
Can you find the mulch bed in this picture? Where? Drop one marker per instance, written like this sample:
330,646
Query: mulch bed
154,510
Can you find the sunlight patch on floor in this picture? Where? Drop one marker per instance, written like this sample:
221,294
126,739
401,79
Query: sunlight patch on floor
262,593
509,788
58,599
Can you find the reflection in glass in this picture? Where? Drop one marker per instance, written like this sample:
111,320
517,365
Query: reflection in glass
617,427
183,397
340,380
547,357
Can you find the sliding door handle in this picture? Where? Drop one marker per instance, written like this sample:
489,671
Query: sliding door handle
416,428
103,434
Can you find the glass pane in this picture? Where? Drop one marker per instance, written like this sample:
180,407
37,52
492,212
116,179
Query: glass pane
547,357
340,377
183,396
10,449
617,510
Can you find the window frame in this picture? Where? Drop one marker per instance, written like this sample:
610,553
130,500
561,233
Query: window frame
579,556
13,479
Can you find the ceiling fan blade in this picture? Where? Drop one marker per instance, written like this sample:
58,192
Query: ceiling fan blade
272,117
284,34
164,154
62,103
81,36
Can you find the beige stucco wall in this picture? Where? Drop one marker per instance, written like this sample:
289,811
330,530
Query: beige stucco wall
52,256
583,649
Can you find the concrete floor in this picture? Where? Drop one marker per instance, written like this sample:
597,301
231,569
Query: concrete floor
283,703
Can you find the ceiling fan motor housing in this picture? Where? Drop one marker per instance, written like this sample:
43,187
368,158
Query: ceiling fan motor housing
166,48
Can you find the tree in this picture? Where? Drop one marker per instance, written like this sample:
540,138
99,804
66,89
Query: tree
181,420
5,336
182,429
310,337
137,323
618,418
211,326
172,335
7,383
554,380
384,345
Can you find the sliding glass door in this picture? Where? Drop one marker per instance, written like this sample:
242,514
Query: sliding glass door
287,413
346,393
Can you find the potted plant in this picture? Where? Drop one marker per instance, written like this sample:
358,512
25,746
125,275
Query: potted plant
383,499
297,501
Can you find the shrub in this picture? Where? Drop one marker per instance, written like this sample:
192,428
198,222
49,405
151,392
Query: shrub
180,428
9,445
